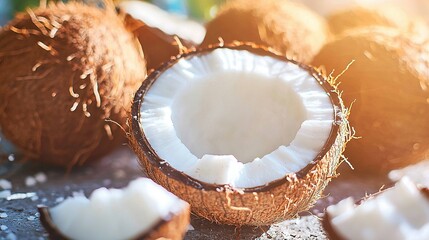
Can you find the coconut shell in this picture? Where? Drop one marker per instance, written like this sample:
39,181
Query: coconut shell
383,15
157,45
389,81
276,201
66,70
288,27
173,227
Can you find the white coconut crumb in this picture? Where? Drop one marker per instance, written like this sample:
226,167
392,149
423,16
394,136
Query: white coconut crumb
41,177
5,194
11,157
17,196
59,199
301,228
3,227
418,173
31,218
5,184
30,181
78,194
11,236
3,215
191,228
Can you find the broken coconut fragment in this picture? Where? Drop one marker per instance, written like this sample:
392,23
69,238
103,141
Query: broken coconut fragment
160,33
246,136
401,212
142,210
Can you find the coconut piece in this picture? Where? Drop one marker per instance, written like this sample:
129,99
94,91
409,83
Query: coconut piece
383,15
142,210
287,27
418,173
401,212
228,129
389,83
160,33
68,75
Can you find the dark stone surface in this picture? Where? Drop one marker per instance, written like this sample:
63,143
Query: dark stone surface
117,169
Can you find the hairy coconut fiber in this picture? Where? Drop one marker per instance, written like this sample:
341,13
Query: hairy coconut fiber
383,15
389,81
277,200
65,70
288,27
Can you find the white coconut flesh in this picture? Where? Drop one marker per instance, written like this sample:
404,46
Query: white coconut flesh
401,212
116,213
234,117
169,23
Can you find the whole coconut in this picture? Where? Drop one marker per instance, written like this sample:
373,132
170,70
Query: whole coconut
382,15
288,27
389,81
65,70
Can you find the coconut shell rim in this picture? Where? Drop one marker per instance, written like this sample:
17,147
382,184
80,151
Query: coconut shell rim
326,220
142,142
55,233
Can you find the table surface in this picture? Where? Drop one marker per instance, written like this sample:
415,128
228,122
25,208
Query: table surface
120,167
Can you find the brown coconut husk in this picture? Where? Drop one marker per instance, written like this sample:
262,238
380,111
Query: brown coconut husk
276,201
388,83
68,75
288,27
383,15
173,227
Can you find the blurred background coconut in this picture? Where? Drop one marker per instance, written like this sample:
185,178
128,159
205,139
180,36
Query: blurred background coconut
197,9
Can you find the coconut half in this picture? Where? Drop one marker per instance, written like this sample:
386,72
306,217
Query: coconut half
401,212
246,136
142,210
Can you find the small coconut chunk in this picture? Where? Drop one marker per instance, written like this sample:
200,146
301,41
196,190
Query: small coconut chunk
238,118
116,213
401,212
418,173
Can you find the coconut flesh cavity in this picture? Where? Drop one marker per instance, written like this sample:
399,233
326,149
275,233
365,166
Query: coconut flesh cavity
401,212
237,118
118,213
